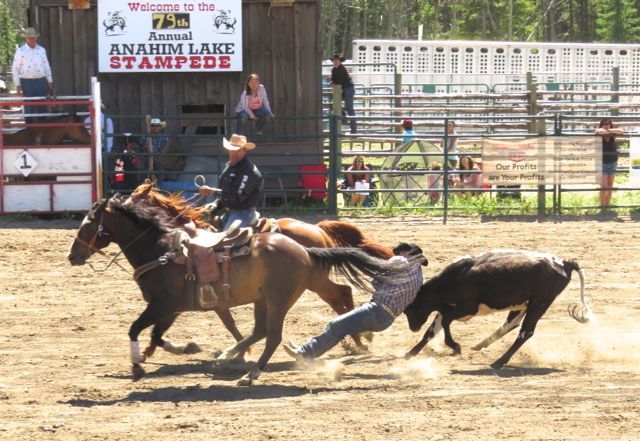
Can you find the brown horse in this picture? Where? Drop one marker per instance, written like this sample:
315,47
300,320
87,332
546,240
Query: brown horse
73,129
272,277
325,234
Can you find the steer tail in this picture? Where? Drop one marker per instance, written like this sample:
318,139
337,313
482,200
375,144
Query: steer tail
582,314
353,263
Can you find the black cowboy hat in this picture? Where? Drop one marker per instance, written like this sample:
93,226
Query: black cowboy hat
411,249
338,56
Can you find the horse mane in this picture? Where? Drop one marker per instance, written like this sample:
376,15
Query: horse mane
345,234
143,213
174,203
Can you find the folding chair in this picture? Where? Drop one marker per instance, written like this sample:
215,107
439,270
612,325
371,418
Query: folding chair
272,175
313,178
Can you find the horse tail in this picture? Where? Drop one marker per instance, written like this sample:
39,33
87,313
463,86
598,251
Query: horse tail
345,234
353,263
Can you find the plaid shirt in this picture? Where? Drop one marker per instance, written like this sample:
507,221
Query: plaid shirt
396,297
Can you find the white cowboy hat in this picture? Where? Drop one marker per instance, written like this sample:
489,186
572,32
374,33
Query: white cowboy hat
30,32
157,122
237,142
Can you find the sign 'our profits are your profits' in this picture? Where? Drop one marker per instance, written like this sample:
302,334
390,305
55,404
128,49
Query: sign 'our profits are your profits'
552,160
170,36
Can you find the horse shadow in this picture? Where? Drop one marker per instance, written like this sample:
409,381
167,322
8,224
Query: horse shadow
507,371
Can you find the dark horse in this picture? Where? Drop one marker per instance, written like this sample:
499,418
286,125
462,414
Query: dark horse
325,234
272,276
72,129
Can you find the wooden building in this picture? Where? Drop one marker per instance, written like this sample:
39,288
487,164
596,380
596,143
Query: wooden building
280,42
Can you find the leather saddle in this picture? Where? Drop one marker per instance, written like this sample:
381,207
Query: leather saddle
208,256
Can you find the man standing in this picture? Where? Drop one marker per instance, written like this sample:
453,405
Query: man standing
387,303
240,183
32,72
339,75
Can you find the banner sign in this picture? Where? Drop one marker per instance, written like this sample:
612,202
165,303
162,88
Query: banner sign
549,160
634,161
170,36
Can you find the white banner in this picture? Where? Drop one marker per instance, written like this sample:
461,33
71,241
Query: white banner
170,36
634,161
549,160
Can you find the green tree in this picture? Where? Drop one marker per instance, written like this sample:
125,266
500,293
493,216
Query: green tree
618,21
9,37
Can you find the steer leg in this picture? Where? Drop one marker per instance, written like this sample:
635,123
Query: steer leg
533,314
513,320
448,338
432,331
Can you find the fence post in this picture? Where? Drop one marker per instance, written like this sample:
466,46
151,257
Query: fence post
616,87
445,177
334,163
336,106
535,126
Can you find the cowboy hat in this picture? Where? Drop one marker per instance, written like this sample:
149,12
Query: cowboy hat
157,122
339,57
237,142
30,32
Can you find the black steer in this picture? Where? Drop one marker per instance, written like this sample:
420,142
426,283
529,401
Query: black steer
521,282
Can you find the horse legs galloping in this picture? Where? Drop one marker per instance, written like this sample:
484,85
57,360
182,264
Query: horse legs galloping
148,317
229,323
159,329
258,333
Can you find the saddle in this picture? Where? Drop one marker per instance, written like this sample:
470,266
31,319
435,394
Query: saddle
203,254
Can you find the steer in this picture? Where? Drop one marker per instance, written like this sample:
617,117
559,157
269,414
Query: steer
521,282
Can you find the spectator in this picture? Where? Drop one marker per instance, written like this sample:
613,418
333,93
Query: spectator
387,303
32,72
3,88
407,133
156,141
469,180
240,184
253,105
452,144
339,75
434,183
107,128
358,181
609,158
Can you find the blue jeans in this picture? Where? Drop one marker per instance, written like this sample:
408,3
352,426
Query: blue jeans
348,93
246,216
368,317
262,114
30,88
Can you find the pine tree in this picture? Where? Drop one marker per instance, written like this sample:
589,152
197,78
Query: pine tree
618,21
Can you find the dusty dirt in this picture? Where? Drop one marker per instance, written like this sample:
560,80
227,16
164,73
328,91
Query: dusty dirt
64,369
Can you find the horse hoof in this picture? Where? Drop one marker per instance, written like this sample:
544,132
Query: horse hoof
477,347
192,348
409,355
497,364
244,381
137,372
217,353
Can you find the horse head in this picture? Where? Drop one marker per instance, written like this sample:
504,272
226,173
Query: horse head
91,237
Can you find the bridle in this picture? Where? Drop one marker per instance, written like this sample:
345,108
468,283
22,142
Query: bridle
100,232
91,245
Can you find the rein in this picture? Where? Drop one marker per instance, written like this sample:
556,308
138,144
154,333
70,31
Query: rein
162,260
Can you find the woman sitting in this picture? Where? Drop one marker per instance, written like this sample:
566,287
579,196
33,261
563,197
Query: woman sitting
358,181
469,180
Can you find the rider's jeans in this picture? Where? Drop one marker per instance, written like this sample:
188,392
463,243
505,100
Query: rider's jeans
246,216
368,317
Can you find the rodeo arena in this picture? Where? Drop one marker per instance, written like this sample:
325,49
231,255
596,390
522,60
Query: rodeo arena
132,311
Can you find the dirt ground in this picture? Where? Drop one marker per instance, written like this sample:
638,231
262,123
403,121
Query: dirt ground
65,373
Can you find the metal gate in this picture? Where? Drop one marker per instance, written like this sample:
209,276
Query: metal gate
39,176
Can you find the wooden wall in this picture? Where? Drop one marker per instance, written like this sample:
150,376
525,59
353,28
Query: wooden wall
282,45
